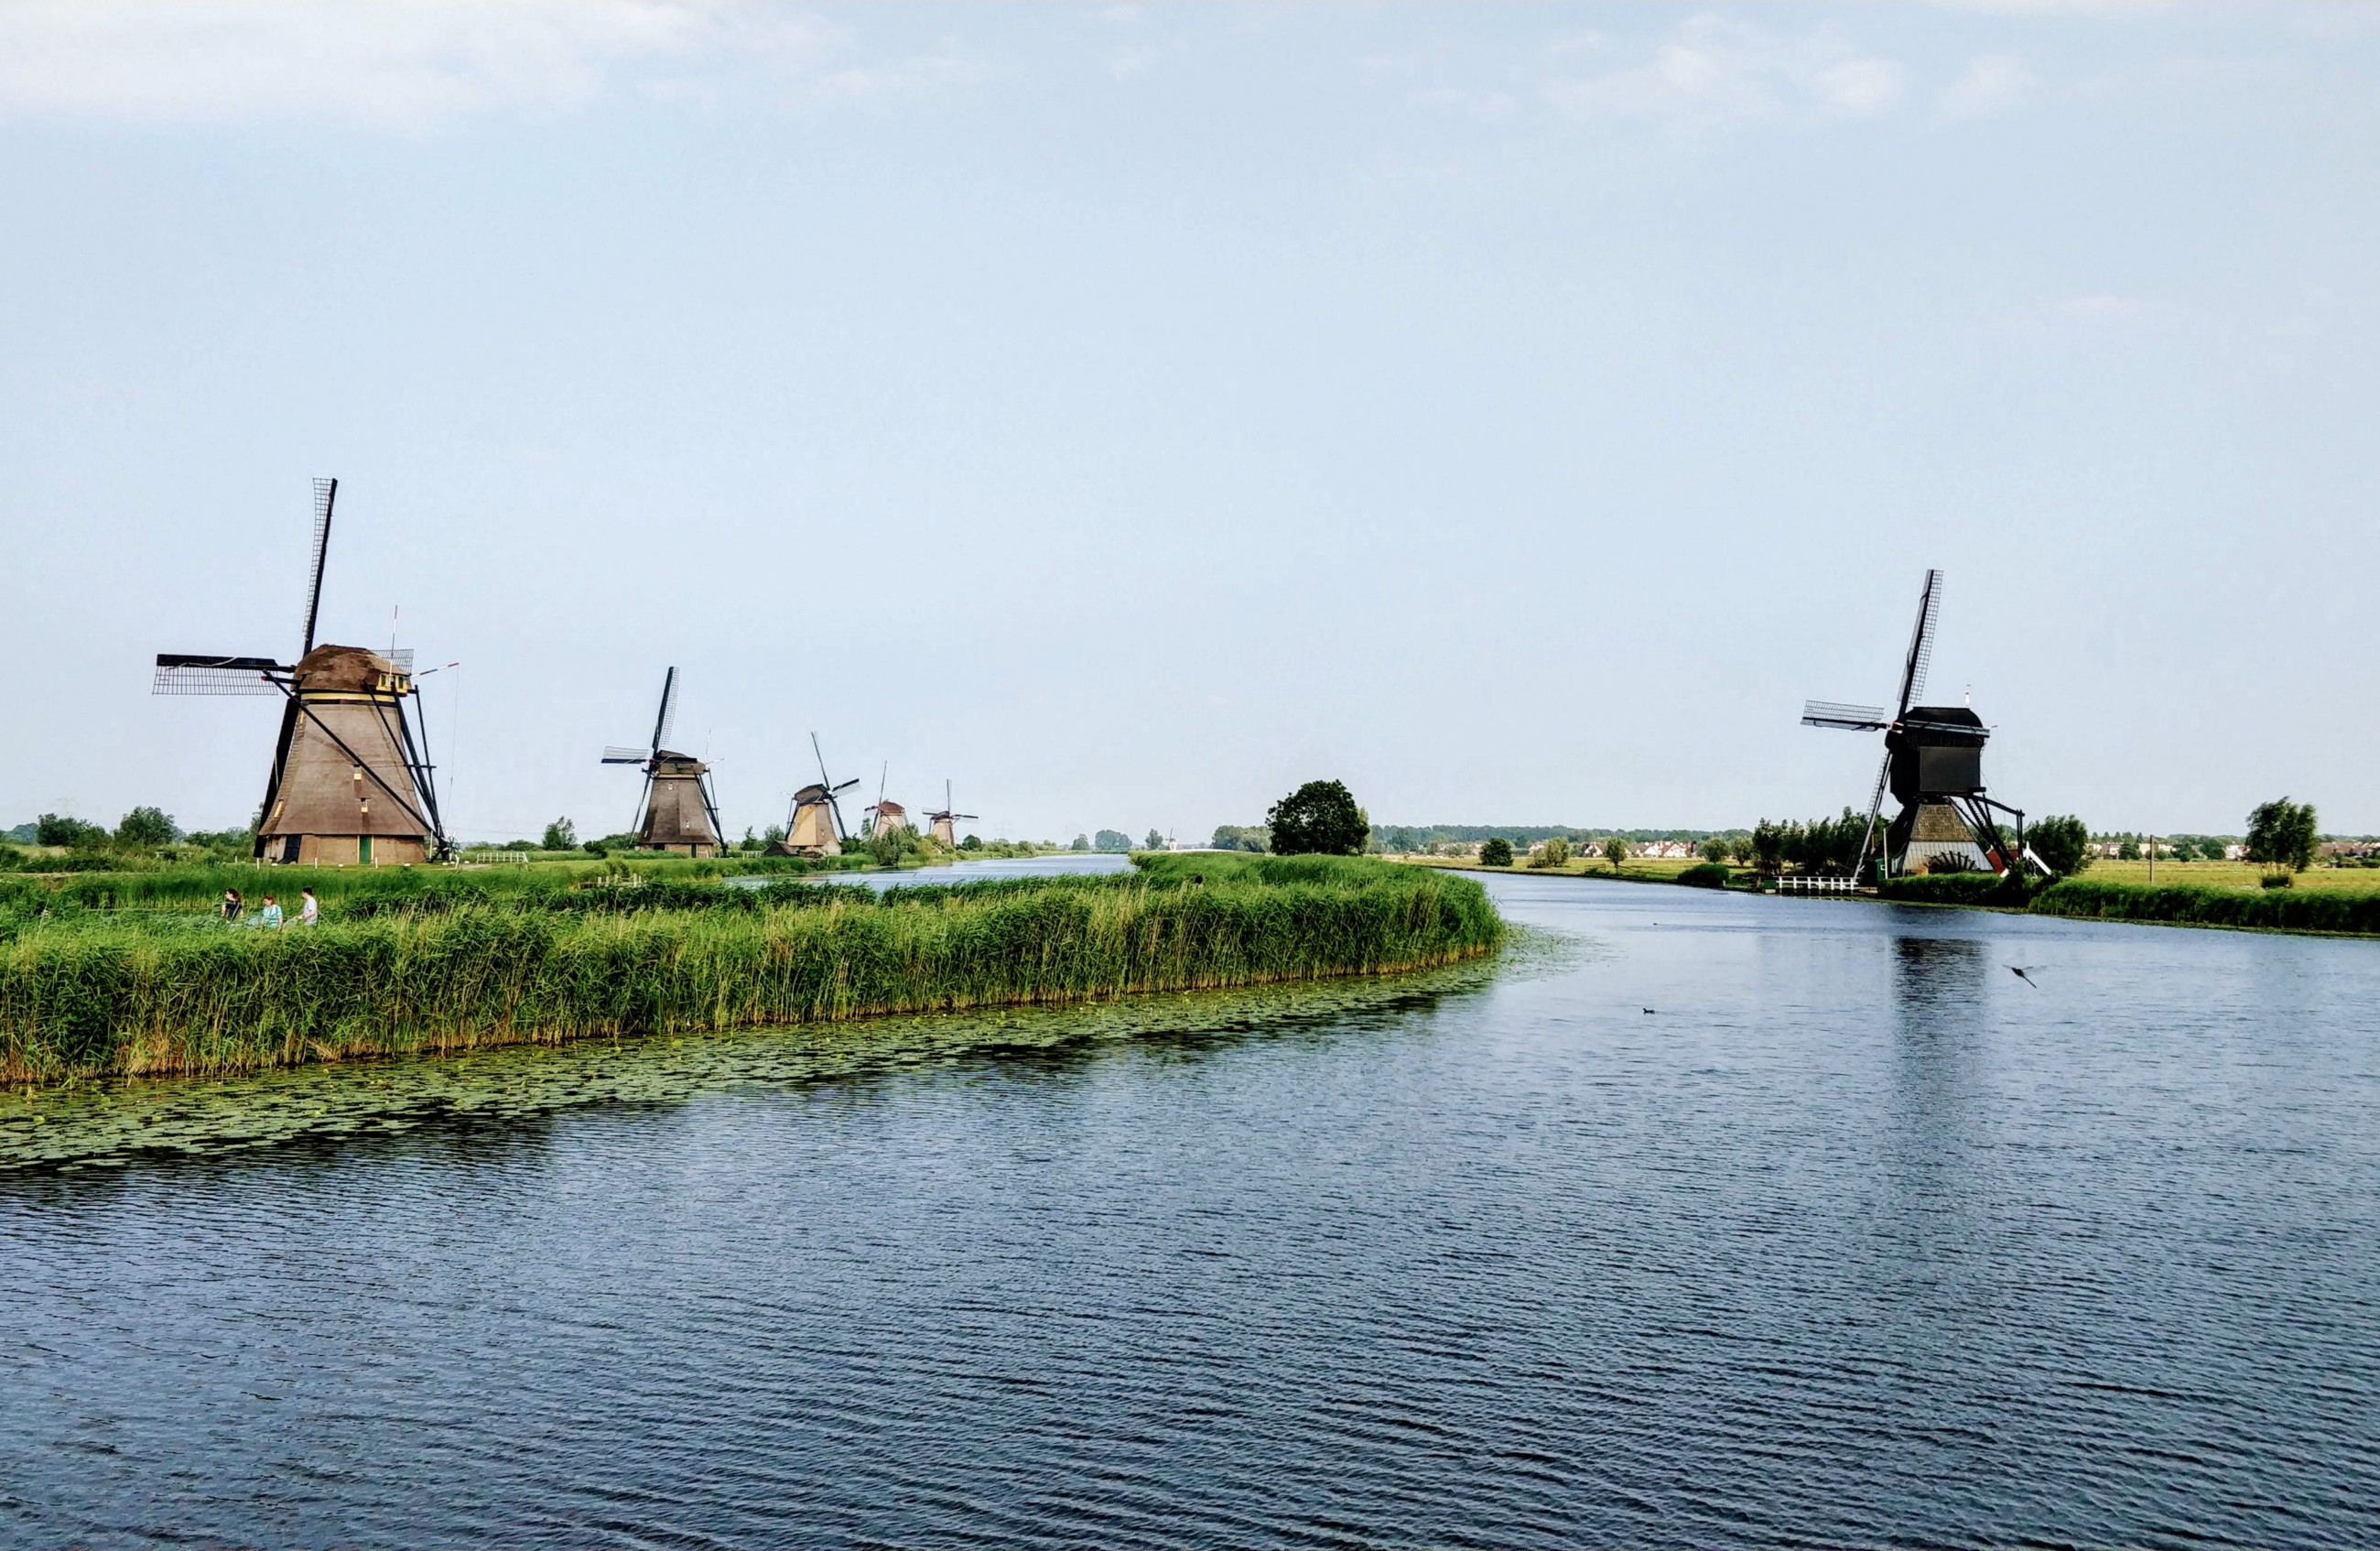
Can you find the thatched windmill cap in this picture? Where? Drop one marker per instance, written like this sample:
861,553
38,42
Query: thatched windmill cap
354,668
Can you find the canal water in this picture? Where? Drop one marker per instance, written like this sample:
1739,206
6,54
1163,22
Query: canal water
1699,1220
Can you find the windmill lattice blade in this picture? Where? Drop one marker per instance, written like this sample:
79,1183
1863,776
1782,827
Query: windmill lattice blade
614,754
182,673
846,786
1921,644
403,657
326,495
1832,713
668,717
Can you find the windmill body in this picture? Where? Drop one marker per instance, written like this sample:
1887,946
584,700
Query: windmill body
351,781
1934,767
677,812
884,815
815,825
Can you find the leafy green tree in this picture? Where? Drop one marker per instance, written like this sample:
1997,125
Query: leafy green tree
1744,851
146,829
972,843
562,835
2281,834
1318,818
1715,849
1615,851
1111,840
1156,842
1082,843
1242,838
2129,849
1768,845
1551,853
53,829
1496,853
2062,842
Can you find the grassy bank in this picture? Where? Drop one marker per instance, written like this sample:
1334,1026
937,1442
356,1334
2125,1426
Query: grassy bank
2279,909
96,993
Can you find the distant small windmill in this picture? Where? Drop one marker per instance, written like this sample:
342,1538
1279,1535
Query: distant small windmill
884,815
675,811
815,825
939,822
1934,765
351,776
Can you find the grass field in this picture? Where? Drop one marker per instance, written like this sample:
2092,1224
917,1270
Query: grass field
2231,875
1657,870
94,992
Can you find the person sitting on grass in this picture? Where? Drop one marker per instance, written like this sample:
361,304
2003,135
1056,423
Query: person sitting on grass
231,907
270,917
309,912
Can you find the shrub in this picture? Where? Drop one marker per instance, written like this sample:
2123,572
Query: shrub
1318,819
2277,880
1615,851
1112,842
147,829
1497,853
1551,853
1716,849
1706,874
2062,842
2286,910
1957,888
561,835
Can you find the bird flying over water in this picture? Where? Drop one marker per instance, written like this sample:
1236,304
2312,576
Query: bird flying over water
2021,974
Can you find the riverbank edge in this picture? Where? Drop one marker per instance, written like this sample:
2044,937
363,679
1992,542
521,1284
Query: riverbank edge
1925,904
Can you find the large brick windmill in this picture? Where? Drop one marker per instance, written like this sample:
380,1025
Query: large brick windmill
1934,765
677,811
351,774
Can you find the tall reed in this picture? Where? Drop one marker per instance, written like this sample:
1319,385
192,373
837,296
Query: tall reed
96,994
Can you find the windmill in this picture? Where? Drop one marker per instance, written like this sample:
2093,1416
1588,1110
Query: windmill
884,815
939,824
1934,765
676,808
351,774
815,825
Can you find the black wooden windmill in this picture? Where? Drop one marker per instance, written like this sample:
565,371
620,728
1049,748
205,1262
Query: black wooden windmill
941,823
351,774
677,811
1934,765
814,827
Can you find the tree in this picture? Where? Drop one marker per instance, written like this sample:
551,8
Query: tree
1744,851
1318,818
1240,838
562,835
1156,842
1496,853
1082,843
1551,853
1111,840
2129,851
53,829
2062,842
2281,834
1768,845
1715,849
972,843
146,829
1615,851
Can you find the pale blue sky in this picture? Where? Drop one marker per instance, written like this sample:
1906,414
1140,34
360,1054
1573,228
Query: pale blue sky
1131,412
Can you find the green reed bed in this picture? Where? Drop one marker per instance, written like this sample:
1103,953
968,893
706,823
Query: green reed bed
96,994
2284,910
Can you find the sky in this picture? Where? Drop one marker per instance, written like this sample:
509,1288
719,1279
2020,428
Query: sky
1129,413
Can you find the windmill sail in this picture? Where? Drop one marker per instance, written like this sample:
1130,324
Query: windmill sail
1921,642
326,495
183,673
668,717
1853,719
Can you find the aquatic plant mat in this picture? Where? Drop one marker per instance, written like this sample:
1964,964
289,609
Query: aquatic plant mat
113,1122
93,993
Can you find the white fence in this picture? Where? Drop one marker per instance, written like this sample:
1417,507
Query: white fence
1798,885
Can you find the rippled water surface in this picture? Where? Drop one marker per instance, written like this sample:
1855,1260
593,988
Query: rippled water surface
1852,1237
